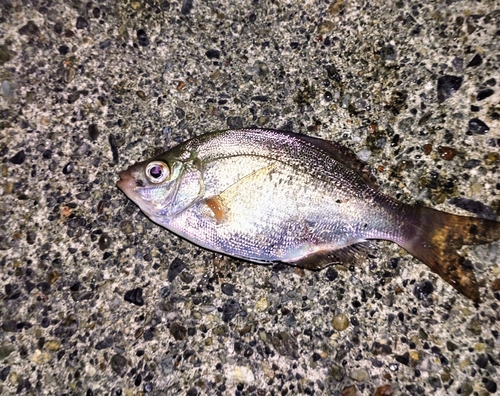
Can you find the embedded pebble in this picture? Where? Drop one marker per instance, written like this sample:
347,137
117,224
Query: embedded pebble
213,54
340,322
178,331
118,363
262,304
229,310
175,268
81,23
423,290
477,60
447,86
476,126
19,158
127,227
142,38
134,296
93,132
227,289
447,153
485,93
104,241
359,375
241,374
40,357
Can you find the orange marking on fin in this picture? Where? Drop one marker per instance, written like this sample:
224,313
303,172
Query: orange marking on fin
217,208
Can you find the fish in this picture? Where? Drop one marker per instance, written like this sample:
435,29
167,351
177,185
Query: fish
268,196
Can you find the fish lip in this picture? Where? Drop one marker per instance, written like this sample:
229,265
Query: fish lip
126,182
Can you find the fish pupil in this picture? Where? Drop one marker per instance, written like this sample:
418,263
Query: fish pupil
156,171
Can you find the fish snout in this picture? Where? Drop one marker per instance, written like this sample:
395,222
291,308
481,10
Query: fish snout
126,182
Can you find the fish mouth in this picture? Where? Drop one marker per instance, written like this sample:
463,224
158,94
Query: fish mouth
126,182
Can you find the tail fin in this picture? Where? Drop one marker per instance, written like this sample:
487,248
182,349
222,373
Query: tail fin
434,237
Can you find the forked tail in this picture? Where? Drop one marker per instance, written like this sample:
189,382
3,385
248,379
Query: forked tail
434,237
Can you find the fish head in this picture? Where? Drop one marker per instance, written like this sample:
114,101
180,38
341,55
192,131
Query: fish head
163,186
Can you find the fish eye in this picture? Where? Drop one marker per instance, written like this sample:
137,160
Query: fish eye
157,171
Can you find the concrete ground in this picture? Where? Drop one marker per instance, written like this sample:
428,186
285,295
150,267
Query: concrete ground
95,299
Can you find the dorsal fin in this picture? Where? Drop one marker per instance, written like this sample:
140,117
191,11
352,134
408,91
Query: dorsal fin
341,154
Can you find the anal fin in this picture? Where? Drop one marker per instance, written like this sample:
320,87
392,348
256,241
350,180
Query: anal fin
348,255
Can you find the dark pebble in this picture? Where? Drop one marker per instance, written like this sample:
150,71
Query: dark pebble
186,277
175,268
149,334
331,274
333,73
234,122
178,331
403,359
227,289
484,93
187,6
4,373
260,98
118,364
475,61
30,29
9,326
447,86
29,286
423,290
229,310
105,44
482,361
134,296
388,53
192,392
476,207
81,23
213,54
104,241
47,154
491,82
83,195
104,344
96,12
490,385
44,287
164,292
58,27
142,38
19,158
63,49
93,132
180,113
472,163
31,237
328,96
114,147
477,126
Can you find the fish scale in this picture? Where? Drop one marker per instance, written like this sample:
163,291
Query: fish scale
274,196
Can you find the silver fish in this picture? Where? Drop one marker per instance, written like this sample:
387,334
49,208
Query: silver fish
272,196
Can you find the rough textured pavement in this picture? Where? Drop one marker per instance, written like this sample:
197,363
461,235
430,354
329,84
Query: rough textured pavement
97,300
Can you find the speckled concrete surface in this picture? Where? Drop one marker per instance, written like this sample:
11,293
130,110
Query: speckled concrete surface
97,300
